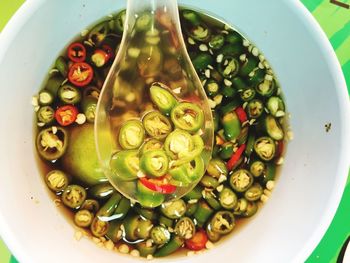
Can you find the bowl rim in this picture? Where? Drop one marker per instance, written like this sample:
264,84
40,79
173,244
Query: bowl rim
31,6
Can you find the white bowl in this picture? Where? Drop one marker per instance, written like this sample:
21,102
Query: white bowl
316,165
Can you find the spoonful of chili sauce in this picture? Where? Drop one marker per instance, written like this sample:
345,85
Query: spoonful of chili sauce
153,129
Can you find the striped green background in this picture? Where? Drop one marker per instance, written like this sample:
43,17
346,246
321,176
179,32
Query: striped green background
335,21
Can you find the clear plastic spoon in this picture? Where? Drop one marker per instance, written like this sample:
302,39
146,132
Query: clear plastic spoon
152,54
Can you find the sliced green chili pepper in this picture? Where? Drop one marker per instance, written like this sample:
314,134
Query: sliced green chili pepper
46,115
145,212
258,77
255,108
187,116
232,125
73,196
69,94
187,173
125,164
241,180
228,199
99,228
226,151
83,218
251,210
247,94
231,50
53,84
45,97
211,200
265,148
131,134
229,67
160,235
143,229
174,209
165,221
209,182
190,16
185,228
229,107
212,235
151,144
150,61
98,33
223,222
62,66
240,207
202,214
217,41
248,66
202,61
273,128
254,192
89,105
200,32
52,142
266,88
191,208
162,97
101,191
178,142
144,22
275,105
233,38
147,197
217,168
109,207
154,163
91,205
228,92
130,224
257,168
156,125
270,172
238,83
174,244
114,232
57,180
212,87
194,194
250,144
122,209
243,136
119,22
145,250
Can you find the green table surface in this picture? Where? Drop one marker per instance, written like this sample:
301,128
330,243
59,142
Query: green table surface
335,21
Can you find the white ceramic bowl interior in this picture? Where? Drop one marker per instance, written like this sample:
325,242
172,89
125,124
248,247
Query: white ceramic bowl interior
316,165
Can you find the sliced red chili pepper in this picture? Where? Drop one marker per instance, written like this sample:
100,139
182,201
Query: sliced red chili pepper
100,57
80,74
280,149
66,115
198,241
158,185
241,114
235,157
108,50
76,52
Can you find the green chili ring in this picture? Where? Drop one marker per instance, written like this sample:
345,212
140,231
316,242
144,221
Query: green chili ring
223,222
131,135
187,116
73,196
265,148
156,125
241,180
154,163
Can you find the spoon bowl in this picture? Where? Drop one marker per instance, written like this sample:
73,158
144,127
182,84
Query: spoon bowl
153,112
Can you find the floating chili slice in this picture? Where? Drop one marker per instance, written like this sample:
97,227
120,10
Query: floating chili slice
198,241
66,115
235,157
241,114
80,74
76,52
158,185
